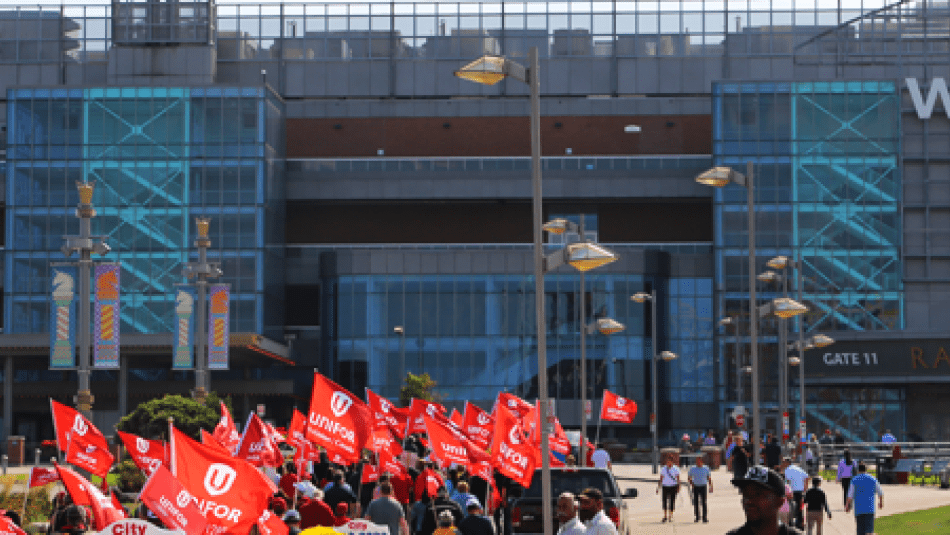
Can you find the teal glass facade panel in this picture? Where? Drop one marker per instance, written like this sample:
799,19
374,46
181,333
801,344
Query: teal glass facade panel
825,160
159,157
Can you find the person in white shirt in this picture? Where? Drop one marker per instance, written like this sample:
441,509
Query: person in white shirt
567,516
601,458
797,479
670,483
592,513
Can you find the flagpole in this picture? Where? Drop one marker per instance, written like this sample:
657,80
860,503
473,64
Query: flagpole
600,419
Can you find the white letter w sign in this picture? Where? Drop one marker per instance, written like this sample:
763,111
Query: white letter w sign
924,109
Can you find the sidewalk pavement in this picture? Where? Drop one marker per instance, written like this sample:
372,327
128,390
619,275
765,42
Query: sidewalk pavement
725,508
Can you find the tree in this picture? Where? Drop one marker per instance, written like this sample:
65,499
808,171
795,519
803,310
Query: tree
150,419
418,387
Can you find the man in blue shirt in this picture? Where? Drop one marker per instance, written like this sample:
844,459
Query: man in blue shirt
699,480
861,497
888,438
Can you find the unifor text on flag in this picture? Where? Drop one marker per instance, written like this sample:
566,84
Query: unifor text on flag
337,420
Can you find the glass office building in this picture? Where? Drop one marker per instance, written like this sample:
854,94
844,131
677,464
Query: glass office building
356,186
159,158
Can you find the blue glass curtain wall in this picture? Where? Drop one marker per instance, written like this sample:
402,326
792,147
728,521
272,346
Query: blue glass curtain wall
159,157
474,334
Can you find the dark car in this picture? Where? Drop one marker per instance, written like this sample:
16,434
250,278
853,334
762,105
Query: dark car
526,511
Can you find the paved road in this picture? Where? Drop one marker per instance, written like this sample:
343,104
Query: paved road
725,509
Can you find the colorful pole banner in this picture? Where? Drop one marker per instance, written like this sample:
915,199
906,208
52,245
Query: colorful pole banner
105,342
185,332
62,321
219,327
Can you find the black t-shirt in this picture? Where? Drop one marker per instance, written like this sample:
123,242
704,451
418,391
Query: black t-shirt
815,500
476,525
782,530
740,462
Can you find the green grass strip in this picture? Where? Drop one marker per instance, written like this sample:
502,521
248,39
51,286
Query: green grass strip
935,521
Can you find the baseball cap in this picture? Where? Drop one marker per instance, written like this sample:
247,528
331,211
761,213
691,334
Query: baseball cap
763,477
445,514
292,516
592,493
472,502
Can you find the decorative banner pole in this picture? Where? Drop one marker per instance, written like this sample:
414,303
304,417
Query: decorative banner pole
85,245
201,270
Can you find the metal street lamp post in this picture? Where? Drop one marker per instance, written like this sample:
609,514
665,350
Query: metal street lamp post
202,270
641,297
398,329
491,70
734,321
583,262
719,177
85,245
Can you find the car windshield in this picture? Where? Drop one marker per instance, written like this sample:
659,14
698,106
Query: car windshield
573,482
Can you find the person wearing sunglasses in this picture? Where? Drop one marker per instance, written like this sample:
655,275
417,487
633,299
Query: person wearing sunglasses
763,493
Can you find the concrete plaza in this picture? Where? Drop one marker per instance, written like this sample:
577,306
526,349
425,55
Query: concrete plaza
725,509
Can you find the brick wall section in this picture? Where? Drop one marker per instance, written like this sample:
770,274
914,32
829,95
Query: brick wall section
496,136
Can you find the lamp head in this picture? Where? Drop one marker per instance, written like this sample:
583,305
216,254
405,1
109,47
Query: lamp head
821,340
726,321
768,276
784,307
794,361
85,191
668,355
202,224
486,70
609,326
398,329
747,370
587,256
718,177
779,262
641,297
557,226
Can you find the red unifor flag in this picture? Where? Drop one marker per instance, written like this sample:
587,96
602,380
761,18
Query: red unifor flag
208,439
226,432
82,492
257,446
512,454
515,404
449,444
382,440
557,440
478,425
297,432
428,482
230,492
446,448
172,503
40,476
147,454
385,414
337,421
420,407
370,473
7,527
389,463
456,418
270,524
85,446
617,409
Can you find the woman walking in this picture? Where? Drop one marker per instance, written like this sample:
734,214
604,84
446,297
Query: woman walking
670,484
846,469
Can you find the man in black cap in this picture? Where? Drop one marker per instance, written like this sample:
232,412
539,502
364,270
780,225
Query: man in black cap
763,493
591,513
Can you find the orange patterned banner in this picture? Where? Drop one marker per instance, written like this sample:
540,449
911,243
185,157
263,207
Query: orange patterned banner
107,320
220,332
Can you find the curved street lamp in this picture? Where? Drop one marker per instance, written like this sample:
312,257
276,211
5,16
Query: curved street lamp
642,297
